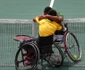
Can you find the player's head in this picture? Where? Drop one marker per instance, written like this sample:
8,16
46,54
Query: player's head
47,9
52,12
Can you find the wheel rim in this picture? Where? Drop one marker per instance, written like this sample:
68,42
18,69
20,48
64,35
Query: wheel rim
72,46
20,60
57,55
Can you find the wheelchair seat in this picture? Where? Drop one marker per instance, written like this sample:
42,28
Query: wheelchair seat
58,36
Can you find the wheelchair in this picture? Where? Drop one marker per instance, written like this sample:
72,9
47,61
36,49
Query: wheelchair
29,51
69,43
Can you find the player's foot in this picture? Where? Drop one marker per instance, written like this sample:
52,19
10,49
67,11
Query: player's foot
54,59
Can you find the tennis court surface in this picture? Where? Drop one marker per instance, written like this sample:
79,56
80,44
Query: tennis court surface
9,46
24,9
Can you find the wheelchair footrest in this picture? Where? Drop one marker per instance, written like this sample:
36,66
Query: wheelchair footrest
22,38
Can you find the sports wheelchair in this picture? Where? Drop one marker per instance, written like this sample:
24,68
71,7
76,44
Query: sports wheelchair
29,56
29,51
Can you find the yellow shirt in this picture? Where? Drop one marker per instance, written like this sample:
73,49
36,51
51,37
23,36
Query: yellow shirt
47,27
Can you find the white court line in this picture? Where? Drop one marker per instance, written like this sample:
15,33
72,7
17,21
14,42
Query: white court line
51,3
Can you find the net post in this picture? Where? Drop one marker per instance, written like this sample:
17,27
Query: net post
33,29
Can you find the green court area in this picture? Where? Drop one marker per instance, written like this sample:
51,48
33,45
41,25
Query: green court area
9,47
28,9
61,68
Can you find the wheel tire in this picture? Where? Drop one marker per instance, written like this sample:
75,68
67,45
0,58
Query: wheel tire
72,46
20,51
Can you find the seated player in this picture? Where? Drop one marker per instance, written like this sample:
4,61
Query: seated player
47,28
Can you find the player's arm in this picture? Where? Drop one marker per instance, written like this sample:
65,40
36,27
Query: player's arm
36,19
58,19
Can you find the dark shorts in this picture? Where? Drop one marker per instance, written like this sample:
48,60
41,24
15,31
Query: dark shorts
45,41
45,44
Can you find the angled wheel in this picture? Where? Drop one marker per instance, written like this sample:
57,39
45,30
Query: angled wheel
26,57
56,59
72,46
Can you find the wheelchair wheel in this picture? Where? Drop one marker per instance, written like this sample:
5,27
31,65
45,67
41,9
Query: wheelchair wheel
56,59
72,46
26,57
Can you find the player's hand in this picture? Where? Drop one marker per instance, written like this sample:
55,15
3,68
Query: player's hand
61,18
34,20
